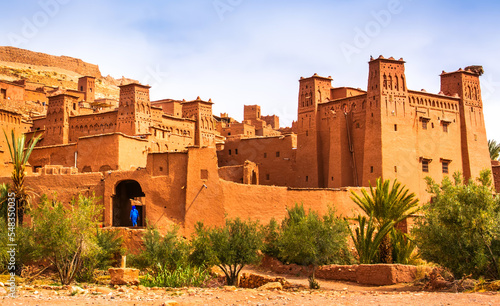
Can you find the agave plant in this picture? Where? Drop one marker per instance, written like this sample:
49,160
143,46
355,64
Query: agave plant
20,153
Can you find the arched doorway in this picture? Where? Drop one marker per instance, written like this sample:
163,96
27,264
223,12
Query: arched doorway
128,193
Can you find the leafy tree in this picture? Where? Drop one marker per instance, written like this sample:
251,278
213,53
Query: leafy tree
460,230
20,154
494,149
309,240
385,204
66,235
231,247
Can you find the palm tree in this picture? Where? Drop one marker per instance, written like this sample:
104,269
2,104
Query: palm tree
494,148
20,155
386,204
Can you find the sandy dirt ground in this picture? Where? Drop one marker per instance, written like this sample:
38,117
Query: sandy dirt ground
331,293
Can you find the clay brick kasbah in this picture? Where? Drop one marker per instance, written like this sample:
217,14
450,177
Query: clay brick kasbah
179,163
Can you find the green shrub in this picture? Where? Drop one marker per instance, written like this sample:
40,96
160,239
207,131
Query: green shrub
66,236
186,276
110,245
271,238
162,255
230,247
460,230
307,239
403,248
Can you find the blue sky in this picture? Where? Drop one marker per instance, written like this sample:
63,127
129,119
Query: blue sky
241,52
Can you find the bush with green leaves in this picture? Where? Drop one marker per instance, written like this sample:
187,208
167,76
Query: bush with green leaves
166,259
460,229
65,236
182,276
311,240
230,247
109,244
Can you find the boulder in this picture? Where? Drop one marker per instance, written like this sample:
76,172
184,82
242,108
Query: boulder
271,286
124,276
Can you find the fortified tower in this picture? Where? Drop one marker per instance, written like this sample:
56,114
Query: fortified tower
312,91
134,111
201,112
465,84
57,122
87,85
387,137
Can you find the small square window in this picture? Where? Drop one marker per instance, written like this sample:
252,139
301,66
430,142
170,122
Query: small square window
278,154
229,152
204,174
445,166
236,151
307,178
265,155
396,127
371,169
424,124
425,165
445,127
267,177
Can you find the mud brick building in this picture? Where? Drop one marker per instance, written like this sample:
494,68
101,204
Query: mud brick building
181,164
350,137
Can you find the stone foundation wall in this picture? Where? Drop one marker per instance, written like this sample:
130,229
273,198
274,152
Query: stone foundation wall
379,274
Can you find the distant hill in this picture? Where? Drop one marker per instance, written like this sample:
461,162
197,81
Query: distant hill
55,71
22,56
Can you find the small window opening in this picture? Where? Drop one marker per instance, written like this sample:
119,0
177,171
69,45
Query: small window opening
425,165
445,166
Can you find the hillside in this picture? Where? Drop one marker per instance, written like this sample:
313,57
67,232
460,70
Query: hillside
54,71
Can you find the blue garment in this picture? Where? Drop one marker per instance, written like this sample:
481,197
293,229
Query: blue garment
134,215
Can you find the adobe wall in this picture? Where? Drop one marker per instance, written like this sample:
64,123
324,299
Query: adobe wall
11,91
9,121
405,148
16,55
232,173
92,124
36,96
164,197
266,202
63,187
63,155
275,157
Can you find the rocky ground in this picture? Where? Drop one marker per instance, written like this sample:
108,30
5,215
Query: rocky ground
331,293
